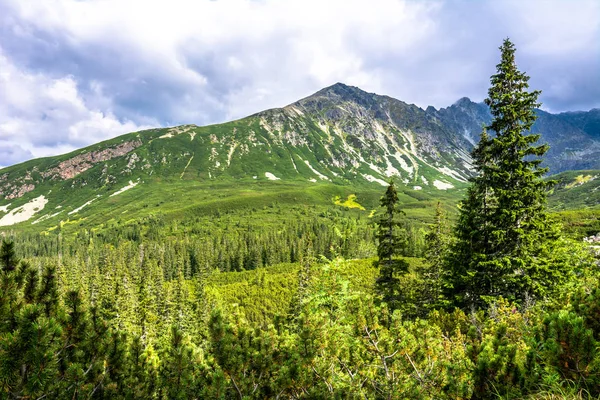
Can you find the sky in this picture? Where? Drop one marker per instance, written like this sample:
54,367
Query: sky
75,72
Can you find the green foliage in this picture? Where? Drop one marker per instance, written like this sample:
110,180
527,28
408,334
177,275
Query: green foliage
499,351
576,191
586,303
437,240
8,259
391,241
504,234
340,343
260,289
569,348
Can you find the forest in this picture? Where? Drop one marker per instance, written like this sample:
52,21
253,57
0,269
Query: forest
497,299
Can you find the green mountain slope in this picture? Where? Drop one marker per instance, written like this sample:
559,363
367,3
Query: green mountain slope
339,137
341,141
576,190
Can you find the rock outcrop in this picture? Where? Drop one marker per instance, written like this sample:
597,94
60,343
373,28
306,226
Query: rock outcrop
72,167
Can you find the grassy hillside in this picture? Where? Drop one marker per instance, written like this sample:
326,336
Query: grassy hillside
576,190
305,152
576,202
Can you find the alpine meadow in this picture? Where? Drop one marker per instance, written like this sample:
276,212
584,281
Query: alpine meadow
346,246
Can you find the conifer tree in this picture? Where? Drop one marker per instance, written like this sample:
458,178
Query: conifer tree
437,242
504,236
304,277
391,241
8,259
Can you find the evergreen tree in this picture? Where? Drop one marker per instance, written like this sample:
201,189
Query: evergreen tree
391,241
504,236
304,277
8,259
437,242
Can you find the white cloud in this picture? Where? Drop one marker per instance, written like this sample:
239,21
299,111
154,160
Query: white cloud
42,116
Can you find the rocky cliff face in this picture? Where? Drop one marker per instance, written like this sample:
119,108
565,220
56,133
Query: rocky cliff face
588,122
74,166
354,133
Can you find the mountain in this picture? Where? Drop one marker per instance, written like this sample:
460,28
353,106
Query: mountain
574,138
309,151
588,122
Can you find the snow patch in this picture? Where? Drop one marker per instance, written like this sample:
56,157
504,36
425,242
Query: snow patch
371,178
425,181
390,169
83,205
255,177
375,168
325,128
442,185
4,208
271,177
25,212
185,169
313,180
178,130
466,157
230,153
130,186
452,173
417,188
320,175
467,135
293,163
192,135
403,164
297,110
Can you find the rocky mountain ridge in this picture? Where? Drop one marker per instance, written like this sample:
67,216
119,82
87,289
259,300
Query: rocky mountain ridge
339,135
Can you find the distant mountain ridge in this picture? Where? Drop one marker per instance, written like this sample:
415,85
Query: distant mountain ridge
340,135
574,137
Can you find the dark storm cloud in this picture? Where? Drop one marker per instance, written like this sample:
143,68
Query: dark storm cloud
72,73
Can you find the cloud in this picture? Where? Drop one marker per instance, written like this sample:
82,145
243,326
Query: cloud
42,115
74,72
11,153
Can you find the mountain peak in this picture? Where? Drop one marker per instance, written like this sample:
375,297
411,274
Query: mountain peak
463,101
341,90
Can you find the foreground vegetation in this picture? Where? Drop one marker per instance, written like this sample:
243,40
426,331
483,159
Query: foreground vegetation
309,330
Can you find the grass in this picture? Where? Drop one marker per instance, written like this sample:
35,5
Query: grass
576,190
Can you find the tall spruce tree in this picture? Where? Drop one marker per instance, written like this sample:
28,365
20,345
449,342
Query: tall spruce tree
391,241
504,233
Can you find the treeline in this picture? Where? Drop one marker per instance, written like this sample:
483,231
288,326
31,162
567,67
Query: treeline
234,241
226,244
